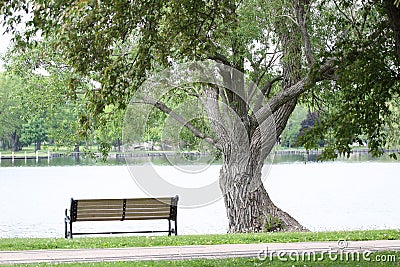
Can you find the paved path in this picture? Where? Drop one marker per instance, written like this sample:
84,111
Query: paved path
191,252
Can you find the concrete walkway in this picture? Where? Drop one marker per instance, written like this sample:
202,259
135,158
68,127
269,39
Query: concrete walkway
261,250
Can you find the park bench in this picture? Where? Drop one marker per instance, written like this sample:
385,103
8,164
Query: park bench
122,210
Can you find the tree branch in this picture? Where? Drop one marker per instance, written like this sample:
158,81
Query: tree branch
302,23
212,106
267,87
225,106
287,94
161,106
221,58
265,91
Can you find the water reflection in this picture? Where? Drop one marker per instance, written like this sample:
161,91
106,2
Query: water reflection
297,157
192,159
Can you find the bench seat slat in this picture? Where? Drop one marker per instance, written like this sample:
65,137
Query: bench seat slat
128,216
148,201
97,209
147,218
100,202
156,214
100,207
119,213
100,214
94,213
130,209
128,200
104,218
139,210
147,205
132,218
103,203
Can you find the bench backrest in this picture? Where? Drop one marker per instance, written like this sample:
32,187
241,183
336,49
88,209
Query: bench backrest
123,209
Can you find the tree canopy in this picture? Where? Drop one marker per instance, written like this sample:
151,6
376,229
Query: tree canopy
10,111
340,57
37,79
116,43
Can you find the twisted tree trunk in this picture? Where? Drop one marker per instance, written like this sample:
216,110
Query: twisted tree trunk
248,205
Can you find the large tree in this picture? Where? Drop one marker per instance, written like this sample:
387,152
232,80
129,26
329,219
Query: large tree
10,112
42,95
339,55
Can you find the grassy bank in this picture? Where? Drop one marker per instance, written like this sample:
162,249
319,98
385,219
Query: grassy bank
375,259
146,241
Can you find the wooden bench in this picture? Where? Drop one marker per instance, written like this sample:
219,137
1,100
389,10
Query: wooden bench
121,210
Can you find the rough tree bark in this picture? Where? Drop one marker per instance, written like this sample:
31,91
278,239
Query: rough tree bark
248,205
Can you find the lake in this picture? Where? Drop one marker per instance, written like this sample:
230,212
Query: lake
342,195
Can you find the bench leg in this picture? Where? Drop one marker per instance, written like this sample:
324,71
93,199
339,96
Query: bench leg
66,231
172,230
70,230
67,220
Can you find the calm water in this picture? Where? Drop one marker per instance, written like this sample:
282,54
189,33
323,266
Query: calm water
81,161
322,196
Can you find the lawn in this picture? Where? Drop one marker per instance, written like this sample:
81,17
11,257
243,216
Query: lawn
183,240
376,259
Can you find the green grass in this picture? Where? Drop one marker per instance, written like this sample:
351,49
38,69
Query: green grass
326,262
147,241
